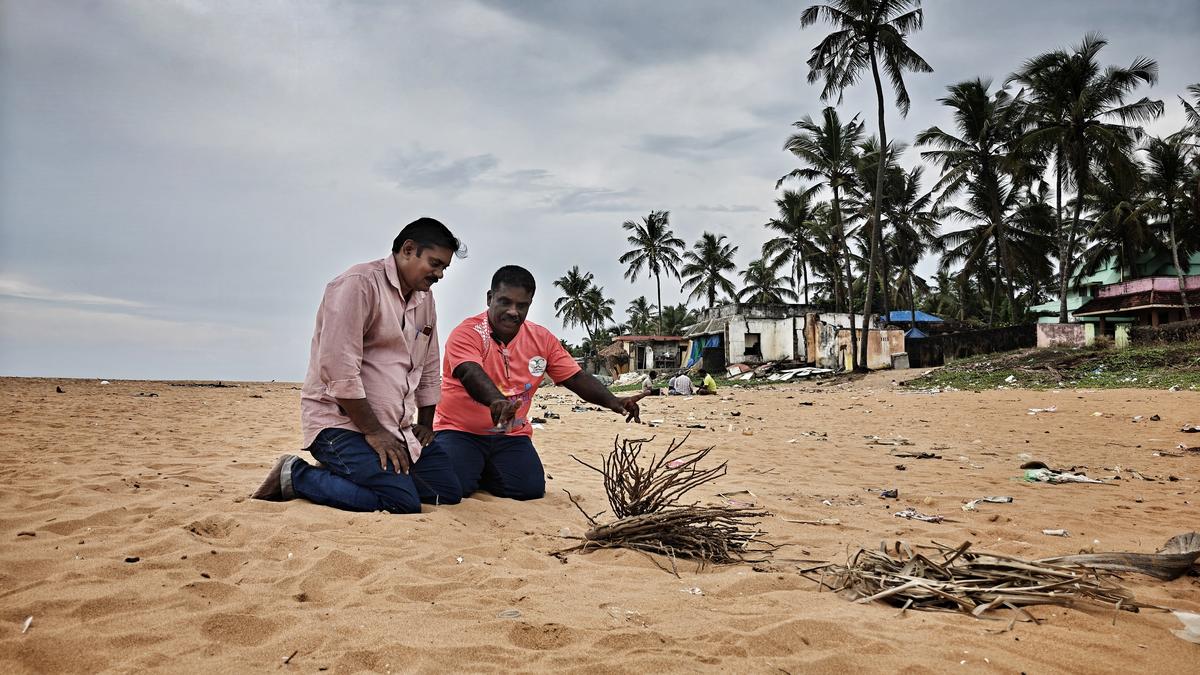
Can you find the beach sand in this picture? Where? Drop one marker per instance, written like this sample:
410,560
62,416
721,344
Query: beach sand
159,472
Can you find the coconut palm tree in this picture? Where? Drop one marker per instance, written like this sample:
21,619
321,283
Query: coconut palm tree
914,233
866,33
982,162
705,267
676,318
572,305
1168,178
828,152
597,307
764,285
641,314
1081,116
655,248
793,246
1117,207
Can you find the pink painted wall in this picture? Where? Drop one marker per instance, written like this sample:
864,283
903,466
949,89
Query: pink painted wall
1149,284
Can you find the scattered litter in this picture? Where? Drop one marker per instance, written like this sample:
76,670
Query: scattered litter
893,493
694,590
132,559
823,521
899,440
1176,558
1097,414
537,425
104,382
1055,477
1189,632
747,432
912,514
538,420
1137,418
916,455
970,506
1056,533
25,626
1010,379
1155,418
458,560
509,614
901,467
696,426
1034,411
550,415
288,659
59,390
1191,428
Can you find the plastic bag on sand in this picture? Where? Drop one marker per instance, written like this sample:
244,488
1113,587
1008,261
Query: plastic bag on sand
1191,626
1048,476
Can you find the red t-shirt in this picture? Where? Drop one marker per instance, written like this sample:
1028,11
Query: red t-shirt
517,370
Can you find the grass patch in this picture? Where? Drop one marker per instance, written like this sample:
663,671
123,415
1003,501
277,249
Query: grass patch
1099,367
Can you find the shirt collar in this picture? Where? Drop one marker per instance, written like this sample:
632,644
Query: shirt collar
393,277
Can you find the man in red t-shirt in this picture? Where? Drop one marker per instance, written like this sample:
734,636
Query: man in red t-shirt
493,366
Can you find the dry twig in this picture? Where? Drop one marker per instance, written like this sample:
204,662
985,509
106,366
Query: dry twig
649,519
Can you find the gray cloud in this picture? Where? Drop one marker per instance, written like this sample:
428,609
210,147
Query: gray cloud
202,168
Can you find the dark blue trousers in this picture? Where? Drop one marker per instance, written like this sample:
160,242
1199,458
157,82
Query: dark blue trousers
506,466
351,478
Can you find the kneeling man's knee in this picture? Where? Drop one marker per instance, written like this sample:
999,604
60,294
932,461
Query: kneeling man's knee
532,488
405,504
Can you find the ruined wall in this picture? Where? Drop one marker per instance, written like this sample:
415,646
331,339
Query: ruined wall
881,344
1065,334
936,350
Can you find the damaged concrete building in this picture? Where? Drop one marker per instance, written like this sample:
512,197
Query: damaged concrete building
757,333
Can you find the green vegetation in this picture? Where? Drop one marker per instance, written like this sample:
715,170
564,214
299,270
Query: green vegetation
1100,367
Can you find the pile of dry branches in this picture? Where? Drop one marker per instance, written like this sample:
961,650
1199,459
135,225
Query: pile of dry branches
650,519
958,580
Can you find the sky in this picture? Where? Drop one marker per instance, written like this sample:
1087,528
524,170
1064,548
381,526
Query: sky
179,179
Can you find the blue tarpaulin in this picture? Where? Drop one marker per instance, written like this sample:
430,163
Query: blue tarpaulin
698,346
904,315
915,333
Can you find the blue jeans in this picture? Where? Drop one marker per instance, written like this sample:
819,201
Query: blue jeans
351,478
506,466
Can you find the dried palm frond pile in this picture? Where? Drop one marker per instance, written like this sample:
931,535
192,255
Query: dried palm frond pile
960,580
649,518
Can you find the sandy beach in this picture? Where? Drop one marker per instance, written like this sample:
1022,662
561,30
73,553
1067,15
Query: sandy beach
129,539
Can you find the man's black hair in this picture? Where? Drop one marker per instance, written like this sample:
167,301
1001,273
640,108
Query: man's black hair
426,232
514,276
653,373
703,371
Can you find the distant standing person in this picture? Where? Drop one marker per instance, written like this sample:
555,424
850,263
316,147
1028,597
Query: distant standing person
709,386
373,365
681,385
494,363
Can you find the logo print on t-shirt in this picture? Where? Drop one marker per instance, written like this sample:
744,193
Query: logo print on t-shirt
537,365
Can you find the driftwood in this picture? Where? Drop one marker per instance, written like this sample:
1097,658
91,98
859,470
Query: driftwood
973,582
649,518
1176,558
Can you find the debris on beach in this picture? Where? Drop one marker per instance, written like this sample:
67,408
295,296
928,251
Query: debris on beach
957,579
1035,411
59,390
1056,533
1191,428
912,514
25,626
1191,626
649,519
1045,475
1179,556
916,455
970,506
899,440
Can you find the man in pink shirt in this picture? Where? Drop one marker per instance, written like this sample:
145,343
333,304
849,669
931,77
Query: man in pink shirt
494,363
373,366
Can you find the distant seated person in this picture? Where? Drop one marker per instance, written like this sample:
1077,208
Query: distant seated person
709,386
493,366
647,382
681,385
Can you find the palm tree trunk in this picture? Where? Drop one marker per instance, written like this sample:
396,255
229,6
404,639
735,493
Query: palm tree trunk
1187,310
804,267
849,290
658,285
1063,263
875,225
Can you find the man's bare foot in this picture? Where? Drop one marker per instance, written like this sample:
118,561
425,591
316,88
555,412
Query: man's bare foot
278,485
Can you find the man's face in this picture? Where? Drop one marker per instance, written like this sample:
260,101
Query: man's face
507,307
421,268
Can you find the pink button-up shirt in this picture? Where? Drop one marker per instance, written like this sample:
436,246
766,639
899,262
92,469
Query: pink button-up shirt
370,343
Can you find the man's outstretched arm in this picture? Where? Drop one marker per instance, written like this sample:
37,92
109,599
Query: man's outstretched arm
481,388
591,390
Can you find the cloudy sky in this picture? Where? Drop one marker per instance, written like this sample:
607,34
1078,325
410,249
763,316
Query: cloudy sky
179,179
